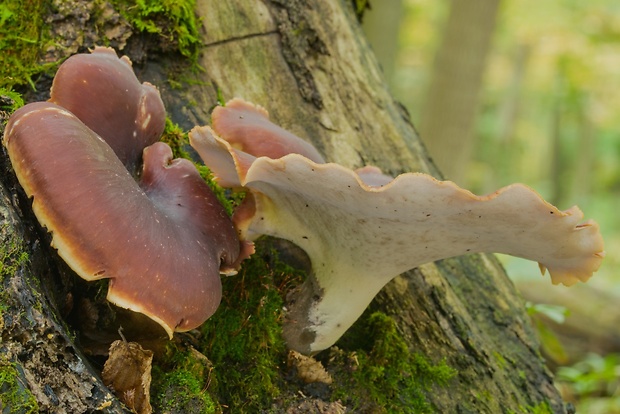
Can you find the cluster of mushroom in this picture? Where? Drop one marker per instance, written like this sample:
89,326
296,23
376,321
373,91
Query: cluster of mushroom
164,240
362,228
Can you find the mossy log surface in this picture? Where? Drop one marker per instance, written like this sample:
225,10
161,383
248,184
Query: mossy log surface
308,64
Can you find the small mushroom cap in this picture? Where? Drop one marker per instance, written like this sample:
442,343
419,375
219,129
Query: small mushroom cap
161,245
360,236
247,127
105,94
217,157
372,176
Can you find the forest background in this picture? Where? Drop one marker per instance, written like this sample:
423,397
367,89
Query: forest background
524,91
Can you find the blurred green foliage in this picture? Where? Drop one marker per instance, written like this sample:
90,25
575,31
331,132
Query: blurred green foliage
549,109
549,342
595,382
548,117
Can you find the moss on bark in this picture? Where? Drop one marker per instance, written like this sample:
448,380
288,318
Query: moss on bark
15,397
22,32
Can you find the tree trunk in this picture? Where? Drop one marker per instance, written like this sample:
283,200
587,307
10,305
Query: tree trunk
506,154
308,63
585,162
559,153
448,121
381,26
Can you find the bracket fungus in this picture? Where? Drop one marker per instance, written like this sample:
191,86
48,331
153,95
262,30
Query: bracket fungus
361,229
162,243
102,90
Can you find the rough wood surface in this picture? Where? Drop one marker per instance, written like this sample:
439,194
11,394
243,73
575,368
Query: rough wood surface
308,63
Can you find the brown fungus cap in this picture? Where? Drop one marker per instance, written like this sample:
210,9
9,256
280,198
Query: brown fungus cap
105,94
247,127
161,245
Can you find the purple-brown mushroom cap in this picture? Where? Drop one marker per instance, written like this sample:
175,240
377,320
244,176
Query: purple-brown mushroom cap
161,243
247,127
102,90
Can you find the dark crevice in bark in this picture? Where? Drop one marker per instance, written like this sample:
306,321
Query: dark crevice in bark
238,38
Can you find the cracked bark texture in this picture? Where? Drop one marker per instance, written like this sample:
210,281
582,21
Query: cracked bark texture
309,65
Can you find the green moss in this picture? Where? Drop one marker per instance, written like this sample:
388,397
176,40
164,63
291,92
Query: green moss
243,342
244,338
14,395
484,396
174,21
12,254
501,361
22,32
220,97
178,140
181,384
10,101
386,374
540,408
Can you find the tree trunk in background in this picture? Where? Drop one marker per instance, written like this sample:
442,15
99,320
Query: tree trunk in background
449,111
572,153
509,112
504,161
309,64
585,159
381,25
558,165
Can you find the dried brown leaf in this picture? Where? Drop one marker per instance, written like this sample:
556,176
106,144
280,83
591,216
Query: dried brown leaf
127,372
